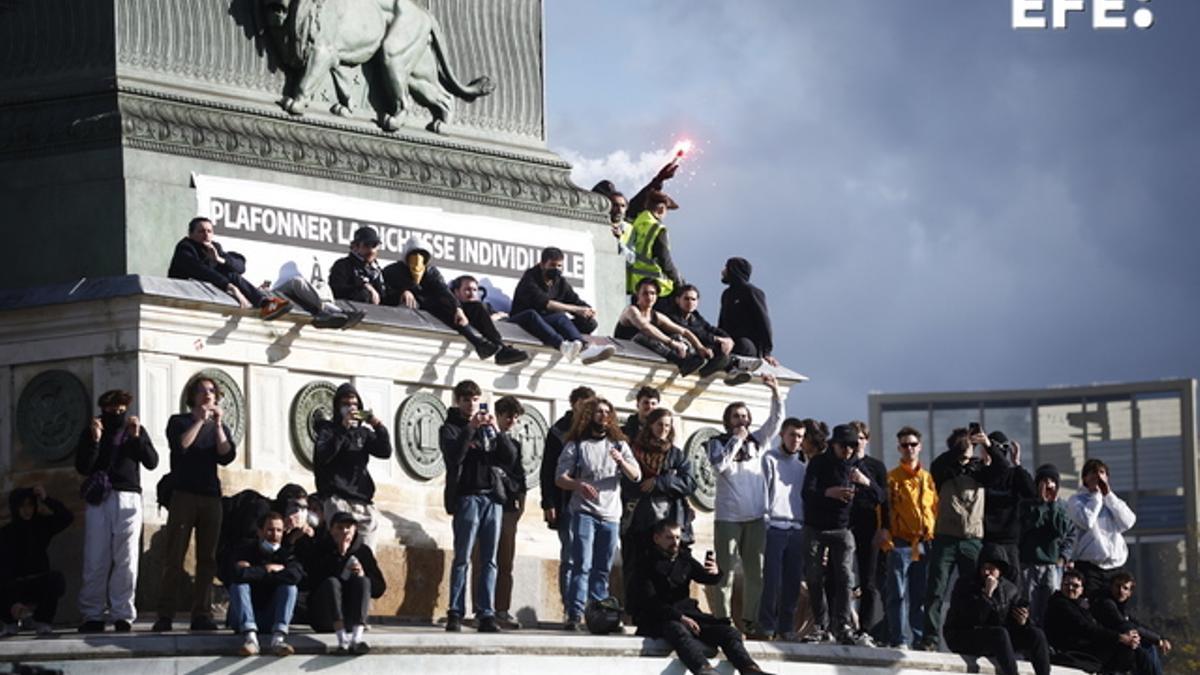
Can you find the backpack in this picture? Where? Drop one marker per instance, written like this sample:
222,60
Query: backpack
603,616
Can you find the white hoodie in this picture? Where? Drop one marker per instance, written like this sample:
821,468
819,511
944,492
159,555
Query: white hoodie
741,488
1100,522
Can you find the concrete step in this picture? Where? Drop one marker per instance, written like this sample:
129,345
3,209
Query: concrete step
427,649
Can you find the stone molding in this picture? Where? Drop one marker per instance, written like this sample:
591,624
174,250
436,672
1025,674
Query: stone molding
436,167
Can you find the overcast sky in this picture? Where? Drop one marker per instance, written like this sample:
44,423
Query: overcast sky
931,200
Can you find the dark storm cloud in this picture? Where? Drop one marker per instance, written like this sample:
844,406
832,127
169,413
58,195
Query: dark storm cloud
997,208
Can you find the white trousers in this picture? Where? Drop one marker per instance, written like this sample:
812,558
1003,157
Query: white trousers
111,545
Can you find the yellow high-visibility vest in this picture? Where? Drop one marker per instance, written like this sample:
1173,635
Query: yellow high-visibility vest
639,237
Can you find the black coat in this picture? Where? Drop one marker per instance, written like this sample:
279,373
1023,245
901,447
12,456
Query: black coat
1114,615
122,463
195,468
474,464
341,455
864,508
532,292
554,497
23,543
1002,501
705,331
824,471
432,293
349,277
323,560
256,574
191,262
668,499
744,311
660,590
971,608
1071,627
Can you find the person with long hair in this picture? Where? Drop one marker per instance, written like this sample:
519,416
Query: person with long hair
667,482
591,465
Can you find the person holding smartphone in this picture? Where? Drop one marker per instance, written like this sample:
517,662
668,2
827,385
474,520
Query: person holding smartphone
199,441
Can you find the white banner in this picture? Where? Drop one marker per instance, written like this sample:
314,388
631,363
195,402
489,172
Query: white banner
284,230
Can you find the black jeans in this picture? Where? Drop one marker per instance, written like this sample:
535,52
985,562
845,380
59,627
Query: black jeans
1097,581
744,346
253,293
335,600
40,590
1002,643
870,606
690,647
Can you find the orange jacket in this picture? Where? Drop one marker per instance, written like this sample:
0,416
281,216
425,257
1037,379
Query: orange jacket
912,504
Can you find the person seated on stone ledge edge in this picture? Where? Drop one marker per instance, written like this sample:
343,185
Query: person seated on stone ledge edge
546,307
415,283
357,276
198,256
262,576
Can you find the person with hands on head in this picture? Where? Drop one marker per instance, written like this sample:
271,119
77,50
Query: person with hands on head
198,256
480,466
199,441
648,327
29,588
661,605
1101,519
343,575
341,459
594,459
741,503
358,276
546,307
114,446
555,500
987,617
262,577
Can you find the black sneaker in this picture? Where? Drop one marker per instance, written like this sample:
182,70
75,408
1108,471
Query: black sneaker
91,627
353,318
122,626
360,648
454,624
487,624
162,625
486,349
573,625
203,623
510,355
329,320
691,364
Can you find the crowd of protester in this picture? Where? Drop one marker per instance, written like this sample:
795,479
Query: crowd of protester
829,544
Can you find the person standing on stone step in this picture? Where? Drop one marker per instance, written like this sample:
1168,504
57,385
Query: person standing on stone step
341,459
416,284
481,464
199,441
647,400
198,256
546,307
555,500
508,413
865,525
115,445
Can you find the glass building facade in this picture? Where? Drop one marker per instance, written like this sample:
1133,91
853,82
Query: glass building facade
1145,433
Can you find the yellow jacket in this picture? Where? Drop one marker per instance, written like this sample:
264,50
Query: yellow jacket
912,505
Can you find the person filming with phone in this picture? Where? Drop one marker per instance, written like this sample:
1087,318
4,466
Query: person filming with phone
341,455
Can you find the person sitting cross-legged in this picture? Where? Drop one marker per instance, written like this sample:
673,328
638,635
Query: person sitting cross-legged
262,577
661,605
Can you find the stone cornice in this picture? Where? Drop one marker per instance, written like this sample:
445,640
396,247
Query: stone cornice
433,166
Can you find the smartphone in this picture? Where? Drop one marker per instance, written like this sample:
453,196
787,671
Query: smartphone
709,556
974,428
361,415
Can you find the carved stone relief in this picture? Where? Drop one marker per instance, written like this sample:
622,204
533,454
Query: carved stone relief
52,413
417,423
705,496
531,430
312,404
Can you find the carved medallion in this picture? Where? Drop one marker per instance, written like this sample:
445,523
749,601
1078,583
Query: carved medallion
417,424
52,414
232,402
312,404
531,430
705,496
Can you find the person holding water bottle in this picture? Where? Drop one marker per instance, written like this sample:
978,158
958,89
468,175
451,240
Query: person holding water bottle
593,460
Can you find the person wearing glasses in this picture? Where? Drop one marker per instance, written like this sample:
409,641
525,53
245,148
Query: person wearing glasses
911,515
1081,641
199,441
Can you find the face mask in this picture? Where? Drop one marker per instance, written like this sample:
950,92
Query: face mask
344,411
416,266
269,547
553,274
112,421
599,430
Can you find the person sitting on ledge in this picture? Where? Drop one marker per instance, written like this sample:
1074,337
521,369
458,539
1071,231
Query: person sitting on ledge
661,605
683,311
651,329
325,313
262,576
198,256
28,587
415,283
344,577
357,277
546,307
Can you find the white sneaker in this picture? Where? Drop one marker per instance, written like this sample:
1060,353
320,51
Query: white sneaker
570,349
596,353
279,645
249,644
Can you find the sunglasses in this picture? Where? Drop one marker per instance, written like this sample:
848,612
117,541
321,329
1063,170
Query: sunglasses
909,445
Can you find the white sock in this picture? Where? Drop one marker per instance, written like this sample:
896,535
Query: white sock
250,636
356,637
343,637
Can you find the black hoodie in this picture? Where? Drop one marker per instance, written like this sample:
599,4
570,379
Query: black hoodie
323,560
533,293
349,277
554,497
660,590
474,463
340,455
120,462
971,608
23,543
432,293
190,261
744,308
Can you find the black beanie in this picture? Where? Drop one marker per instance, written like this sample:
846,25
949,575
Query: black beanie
1047,471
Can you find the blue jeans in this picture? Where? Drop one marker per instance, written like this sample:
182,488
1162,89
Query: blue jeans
475,516
551,329
905,594
566,566
273,610
1040,583
594,545
783,569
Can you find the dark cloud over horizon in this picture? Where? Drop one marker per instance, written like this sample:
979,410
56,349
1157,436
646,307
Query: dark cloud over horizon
931,200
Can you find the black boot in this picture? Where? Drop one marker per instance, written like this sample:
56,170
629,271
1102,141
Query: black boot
484,348
510,355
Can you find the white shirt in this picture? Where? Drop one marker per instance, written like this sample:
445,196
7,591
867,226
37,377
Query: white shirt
1100,522
587,460
741,488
